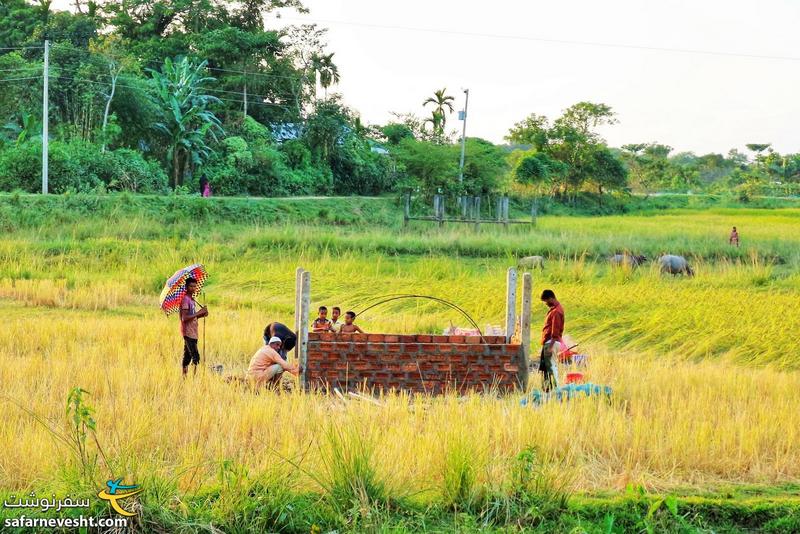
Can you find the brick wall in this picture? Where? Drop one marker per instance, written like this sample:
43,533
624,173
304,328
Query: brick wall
416,363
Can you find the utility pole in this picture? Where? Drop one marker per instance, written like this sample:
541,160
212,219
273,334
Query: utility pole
463,137
45,115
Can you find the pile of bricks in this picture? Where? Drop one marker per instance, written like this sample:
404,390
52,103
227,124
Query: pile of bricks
414,363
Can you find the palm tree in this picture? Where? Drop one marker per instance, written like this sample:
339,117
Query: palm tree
327,70
187,121
436,120
440,101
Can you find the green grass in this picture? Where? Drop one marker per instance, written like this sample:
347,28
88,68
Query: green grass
81,275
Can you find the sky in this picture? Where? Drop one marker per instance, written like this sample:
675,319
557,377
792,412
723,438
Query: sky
520,57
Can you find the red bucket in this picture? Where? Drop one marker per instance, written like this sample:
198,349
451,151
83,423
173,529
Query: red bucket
574,378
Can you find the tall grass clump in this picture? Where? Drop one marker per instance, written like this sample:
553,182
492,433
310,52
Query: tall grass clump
352,486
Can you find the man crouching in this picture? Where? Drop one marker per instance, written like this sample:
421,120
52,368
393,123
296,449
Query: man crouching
266,366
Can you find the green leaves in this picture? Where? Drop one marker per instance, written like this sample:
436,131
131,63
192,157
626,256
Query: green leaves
186,120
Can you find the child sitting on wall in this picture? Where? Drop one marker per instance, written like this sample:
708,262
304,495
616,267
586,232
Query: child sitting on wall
349,327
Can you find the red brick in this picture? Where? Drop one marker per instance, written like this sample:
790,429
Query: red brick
390,338
407,339
394,347
439,339
456,339
381,376
497,349
424,365
428,348
341,366
445,348
403,356
360,365
313,336
464,349
443,367
473,340
411,347
423,339
376,347
379,338
409,367
359,338
326,347
316,355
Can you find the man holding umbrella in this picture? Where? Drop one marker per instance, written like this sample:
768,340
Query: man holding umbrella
189,325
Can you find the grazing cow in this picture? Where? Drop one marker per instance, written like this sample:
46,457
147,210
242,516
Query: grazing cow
675,265
533,262
627,260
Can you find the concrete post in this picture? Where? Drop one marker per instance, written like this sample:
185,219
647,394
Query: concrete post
303,333
525,326
298,303
511,303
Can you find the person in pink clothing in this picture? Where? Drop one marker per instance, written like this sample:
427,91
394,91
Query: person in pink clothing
189,326
205,187
734,237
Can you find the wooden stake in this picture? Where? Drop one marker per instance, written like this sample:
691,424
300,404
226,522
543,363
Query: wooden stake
407,209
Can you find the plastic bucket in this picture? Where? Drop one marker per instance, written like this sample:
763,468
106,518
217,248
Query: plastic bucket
574,378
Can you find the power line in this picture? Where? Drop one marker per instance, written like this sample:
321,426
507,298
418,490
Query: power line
22,48
554,41
20,79
20,69
256,102
262,74
73,70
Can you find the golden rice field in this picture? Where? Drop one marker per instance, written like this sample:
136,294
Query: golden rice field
704,370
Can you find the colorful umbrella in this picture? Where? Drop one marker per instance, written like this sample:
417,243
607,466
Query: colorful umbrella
175,288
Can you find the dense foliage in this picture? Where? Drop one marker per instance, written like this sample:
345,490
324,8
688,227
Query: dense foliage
148,95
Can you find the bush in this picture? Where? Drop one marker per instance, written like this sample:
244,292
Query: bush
78,166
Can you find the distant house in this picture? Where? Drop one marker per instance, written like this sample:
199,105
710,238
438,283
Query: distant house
377,148
289,131
286,131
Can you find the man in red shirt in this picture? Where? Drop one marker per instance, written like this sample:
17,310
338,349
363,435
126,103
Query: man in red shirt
551,340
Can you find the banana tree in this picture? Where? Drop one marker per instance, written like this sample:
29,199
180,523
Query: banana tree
187,122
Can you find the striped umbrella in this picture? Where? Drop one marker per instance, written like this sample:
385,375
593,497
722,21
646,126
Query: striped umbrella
175,288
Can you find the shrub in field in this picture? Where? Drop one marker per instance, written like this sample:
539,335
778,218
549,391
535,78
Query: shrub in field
78,166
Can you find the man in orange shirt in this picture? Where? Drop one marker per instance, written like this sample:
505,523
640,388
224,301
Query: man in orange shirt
266,365
551,340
